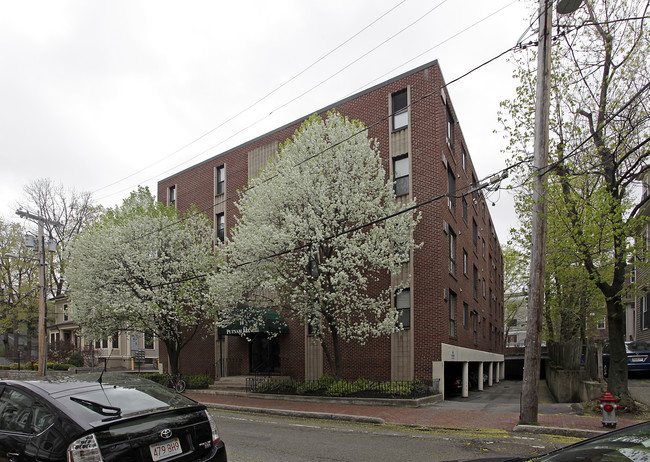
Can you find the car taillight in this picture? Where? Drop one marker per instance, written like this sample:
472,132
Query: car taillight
85,449
213,427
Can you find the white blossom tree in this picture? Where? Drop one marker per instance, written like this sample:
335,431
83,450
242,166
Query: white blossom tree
141,268
311,238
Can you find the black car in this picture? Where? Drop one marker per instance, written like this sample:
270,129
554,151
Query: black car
103,417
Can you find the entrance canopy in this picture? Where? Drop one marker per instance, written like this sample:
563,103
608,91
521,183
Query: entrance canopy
254,320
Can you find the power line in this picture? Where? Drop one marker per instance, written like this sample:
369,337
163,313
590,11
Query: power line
364,130
305,92
252,105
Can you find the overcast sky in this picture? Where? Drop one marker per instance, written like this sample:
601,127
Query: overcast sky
104,96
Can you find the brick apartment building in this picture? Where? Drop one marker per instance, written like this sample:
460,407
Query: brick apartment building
453,309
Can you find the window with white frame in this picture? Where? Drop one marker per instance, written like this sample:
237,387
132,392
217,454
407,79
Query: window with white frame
220,180
451,190
463,158
452,314
401,175
452,251
645,319
171,196
220,224
403,306
450,128
399,104
465,258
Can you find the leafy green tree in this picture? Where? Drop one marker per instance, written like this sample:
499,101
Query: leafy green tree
599,126
142,268
515,279
301,245
18,286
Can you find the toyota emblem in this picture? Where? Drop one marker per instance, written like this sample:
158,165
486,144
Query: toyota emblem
166,433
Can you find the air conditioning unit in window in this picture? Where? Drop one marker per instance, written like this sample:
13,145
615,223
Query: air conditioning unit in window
445,294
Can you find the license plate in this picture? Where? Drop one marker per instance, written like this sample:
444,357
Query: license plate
160,451
637,359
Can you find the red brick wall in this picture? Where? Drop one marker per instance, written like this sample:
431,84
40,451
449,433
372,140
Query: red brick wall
431,275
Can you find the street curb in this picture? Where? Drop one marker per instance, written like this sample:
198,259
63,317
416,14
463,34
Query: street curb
561,431
292,413
407,403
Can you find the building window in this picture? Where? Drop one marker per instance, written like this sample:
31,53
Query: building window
171,196
475,235
491,300
103,343
403,306
452,314
465,315
451,190
483,286
474,192
220,224
400,109
645,319
475,327
65,313
452,251
464,202
601,323
483,247
148,341
475,274
401,175
490,267
464,262
115,340
220,180
450,129
463,158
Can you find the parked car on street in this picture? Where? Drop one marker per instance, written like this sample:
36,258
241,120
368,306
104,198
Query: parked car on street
103,417
638,357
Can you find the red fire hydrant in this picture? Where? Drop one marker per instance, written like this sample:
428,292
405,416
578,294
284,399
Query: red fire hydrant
608,405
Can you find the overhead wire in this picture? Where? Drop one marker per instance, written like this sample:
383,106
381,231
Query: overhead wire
278,88
434,92
310,89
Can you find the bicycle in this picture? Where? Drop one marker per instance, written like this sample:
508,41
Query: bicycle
175,382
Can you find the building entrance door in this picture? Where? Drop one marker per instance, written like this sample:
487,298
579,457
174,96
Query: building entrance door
264,354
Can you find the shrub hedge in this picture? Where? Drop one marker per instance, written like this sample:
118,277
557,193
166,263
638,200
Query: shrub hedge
328,386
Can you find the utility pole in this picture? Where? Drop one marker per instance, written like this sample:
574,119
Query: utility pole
533,351
42,299
529,404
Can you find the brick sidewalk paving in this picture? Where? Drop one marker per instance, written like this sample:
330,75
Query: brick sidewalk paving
427,416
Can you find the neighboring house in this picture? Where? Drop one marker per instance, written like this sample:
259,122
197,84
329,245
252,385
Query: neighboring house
516,315
453,309
120,350
638,300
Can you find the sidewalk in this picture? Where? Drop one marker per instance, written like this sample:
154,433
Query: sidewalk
495,408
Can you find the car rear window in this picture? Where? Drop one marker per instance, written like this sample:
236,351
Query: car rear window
130,394
637,346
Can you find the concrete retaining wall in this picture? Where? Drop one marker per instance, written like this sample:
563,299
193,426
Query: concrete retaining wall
571,386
